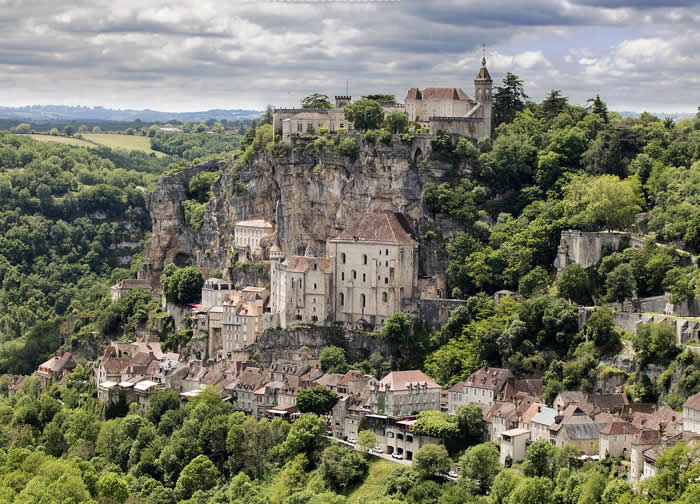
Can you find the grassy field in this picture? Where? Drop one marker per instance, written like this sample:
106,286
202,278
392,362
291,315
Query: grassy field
63,140
378,469
129,142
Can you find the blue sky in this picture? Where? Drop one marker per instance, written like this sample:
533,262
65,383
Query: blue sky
181,55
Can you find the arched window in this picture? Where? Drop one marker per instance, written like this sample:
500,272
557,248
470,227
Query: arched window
292,283
387,251
364,258
315,267
342,275
385,297
363,300
343,258
364,277
342,299
386,280
354,275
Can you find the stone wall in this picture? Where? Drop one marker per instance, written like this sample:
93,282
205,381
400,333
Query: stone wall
433,312
685,329
585,248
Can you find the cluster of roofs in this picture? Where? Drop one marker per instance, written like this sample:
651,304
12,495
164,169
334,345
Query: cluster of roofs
438,108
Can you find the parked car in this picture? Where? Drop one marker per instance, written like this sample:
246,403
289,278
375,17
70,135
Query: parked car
352,440
397,456
378,449
452,473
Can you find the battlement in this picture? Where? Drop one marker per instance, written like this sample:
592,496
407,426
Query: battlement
455,119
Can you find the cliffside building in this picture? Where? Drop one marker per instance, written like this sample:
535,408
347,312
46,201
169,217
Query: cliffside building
247,236
375,268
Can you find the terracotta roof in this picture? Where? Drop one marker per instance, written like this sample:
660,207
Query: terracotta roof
617,428
400,380
646,437
531,411
444,94
381,227
257,223
414,94
114,365
300,264
693,402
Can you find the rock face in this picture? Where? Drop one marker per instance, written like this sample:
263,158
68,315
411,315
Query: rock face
309,196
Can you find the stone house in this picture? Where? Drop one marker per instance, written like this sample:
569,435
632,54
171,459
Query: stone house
243,389
123,287
616,439
404,393
575,426
641,442
483,386
375,268
301,289
691,414
247,236
215,291
143,390
514,444
567,397
541,423
56,368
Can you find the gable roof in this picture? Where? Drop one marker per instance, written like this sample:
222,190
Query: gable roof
609,401
400,380
483,75
414,94
693,402
617,428
379,227
545,416
444,94
489,378
582,432
300,264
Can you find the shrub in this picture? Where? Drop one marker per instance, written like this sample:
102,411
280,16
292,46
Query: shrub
385,137
348,147
370,137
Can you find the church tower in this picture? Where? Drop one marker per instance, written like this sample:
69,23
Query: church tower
483,87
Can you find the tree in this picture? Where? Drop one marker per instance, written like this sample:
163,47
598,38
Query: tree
397,121
509,99
534,283
340,468
600,328
366,440
199,474
599,107
503,485
615,489
538,459
430,460
306,436
162,401
604,202
384,99
480,464
318,399
620,284
96,129
68,130
53,132
218,128
533,491
182,285
364,114
268,116
23,128
332,360
465,151
113,487
316,100
470,420
574,284
554,104
397,328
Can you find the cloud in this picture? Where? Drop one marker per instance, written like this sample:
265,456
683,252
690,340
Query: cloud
187,54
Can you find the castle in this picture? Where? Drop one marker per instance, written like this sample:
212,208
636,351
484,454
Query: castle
439,108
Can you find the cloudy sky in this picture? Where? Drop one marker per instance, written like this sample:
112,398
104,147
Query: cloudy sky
183,55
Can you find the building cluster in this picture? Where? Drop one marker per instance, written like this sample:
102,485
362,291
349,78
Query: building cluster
438,108
599,425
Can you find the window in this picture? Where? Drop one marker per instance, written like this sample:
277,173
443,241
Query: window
342,258
342,299
385,297
364,258
386,263
387,251
354,275
364,277
315,286
342,275
299,127
386,280
315,267
363,300
310,127
292,283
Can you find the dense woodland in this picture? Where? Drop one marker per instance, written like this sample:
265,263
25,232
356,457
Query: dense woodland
66,213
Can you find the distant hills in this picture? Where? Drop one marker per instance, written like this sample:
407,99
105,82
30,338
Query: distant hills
37,113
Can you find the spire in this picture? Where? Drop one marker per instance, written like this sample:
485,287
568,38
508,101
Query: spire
483,59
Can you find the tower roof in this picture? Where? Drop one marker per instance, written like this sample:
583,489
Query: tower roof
483,74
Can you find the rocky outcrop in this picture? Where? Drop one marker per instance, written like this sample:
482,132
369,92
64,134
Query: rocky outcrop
310,196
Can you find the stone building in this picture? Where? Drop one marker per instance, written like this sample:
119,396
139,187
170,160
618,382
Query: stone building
301,290
451,109
375,268
483,386
247,236
304,121
691,414
123,287
616,439
403,393
215,291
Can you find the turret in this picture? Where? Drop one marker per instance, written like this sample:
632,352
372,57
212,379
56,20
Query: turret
483,86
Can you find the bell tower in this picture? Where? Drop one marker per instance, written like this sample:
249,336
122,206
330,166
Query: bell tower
483,87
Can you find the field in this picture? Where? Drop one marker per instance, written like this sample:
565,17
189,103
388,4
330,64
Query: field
378,469
128,142
63,140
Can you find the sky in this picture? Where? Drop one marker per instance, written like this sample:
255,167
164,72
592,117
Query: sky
187,55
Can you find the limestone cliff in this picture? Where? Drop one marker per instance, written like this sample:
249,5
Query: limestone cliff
310,196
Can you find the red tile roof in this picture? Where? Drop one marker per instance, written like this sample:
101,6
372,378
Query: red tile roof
617,428
379,227
444,94
300,264
400,380
414,94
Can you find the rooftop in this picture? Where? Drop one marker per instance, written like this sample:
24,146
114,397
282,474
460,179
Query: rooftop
300,264
401,380
693,402
379,227
256,223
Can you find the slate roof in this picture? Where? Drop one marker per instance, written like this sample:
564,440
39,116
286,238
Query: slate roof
379,227
609,401
582,432
400,380
132,283
545,416
646,437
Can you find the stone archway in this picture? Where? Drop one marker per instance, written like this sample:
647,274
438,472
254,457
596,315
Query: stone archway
418,155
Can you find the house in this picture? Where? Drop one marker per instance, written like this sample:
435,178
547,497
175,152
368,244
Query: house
509,415
56,368
215,291
541,422
247,237
403,393
306,121
575,426
375,268
566,397
144,389
123,287
514,444
610,403
616,439
300,291
483,386
395,435
691,414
